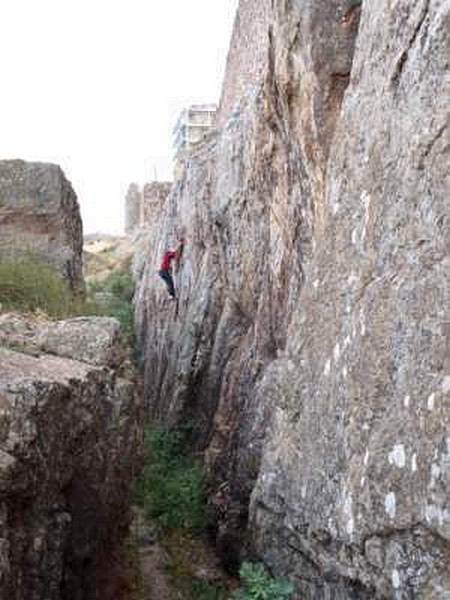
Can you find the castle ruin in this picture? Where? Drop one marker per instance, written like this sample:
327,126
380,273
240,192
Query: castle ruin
142,204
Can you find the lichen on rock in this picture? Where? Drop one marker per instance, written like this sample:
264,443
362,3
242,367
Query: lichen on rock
307,352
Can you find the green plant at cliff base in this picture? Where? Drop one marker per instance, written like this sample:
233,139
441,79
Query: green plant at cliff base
202,590
113,297
171,487
258,584
26,284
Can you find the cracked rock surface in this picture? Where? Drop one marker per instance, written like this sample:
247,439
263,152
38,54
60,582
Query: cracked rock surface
69,439
308,353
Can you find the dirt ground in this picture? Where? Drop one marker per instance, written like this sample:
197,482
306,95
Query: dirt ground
175,566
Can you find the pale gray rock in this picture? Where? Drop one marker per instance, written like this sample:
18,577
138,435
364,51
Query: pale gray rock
93,340
358,450
308,351
154,195
40,216
133,201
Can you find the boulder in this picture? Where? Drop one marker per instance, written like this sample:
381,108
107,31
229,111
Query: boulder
40,217
70,431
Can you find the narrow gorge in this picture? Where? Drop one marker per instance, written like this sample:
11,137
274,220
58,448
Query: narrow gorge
70,405
306,358
309,353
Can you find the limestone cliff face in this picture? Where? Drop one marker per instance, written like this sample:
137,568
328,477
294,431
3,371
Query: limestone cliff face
39,215
154,195
309,348
247,55
69,437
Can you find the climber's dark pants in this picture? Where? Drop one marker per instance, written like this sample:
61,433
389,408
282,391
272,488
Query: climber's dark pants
169,281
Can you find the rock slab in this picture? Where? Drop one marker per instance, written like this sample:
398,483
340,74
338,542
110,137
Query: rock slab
70,427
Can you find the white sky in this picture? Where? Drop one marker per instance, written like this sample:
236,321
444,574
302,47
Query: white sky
96,86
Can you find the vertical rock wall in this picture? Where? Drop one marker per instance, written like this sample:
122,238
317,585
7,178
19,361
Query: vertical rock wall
133,202
352,496
247,55
307,350
154,195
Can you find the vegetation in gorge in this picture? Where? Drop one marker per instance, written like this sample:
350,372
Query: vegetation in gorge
190,570
113,297
27,284
171,492
258,584
171,487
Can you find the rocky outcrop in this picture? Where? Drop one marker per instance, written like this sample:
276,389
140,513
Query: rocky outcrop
247,55
154,194
357,459
142,205
133,201
39,216
69,440
307,351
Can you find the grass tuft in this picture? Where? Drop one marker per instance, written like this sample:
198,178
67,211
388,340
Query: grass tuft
171,488
258,584
26,284
114,297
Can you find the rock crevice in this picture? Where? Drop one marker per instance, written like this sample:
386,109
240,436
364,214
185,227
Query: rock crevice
69,440
307,352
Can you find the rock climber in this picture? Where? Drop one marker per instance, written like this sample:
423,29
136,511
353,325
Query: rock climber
165,269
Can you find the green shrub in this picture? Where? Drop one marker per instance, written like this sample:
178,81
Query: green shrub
171,488
120,284
121,310
258,584
202,590
27,284
117,290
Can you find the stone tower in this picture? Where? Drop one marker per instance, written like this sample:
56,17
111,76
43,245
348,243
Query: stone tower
132,208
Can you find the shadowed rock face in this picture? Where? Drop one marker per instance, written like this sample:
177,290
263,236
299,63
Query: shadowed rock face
39,215
69,438
308,353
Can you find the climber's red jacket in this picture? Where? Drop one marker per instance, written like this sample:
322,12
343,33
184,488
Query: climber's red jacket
167,259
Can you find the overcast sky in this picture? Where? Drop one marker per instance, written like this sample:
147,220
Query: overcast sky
96,86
